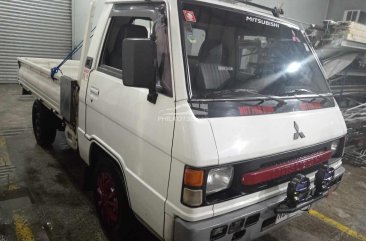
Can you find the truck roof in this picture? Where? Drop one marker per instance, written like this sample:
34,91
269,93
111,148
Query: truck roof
229,4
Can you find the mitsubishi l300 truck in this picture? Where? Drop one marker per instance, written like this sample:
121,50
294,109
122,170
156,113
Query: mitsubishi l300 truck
204,119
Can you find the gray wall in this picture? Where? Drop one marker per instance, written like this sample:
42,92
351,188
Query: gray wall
32,28
309,11
337,8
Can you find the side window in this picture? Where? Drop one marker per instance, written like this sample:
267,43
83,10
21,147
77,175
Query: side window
248,57
119,29
138,27
146,23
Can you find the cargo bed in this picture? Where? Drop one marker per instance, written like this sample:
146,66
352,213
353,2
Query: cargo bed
34,76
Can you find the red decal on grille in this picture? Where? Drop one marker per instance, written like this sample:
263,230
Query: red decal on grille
274,172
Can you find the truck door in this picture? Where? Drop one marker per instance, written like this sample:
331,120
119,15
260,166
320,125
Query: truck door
122,120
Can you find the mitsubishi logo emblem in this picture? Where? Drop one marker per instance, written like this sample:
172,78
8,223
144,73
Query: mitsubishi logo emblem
298,133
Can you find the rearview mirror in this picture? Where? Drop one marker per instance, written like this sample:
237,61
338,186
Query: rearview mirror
138,63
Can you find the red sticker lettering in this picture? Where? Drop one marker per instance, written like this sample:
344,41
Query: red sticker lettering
189,16
310,106
256,110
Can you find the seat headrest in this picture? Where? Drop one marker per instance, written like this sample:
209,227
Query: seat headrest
135,31
211,52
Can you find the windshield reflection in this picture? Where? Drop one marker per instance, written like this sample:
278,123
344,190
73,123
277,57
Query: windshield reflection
227,51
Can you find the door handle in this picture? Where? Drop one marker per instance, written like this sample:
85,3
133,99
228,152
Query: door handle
94,91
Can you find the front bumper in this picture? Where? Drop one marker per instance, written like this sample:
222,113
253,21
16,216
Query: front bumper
258,220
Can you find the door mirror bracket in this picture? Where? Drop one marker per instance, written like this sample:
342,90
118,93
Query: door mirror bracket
152,96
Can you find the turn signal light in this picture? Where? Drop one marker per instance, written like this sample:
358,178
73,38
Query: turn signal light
193,178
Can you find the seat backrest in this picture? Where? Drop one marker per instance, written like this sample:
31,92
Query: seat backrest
211,52
126,31
212,76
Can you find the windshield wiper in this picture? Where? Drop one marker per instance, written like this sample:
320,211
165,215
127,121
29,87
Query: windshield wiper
306,91
254,92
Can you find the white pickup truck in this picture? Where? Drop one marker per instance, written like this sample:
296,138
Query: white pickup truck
205,119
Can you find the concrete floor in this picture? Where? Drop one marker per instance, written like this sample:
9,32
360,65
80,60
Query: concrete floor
47,200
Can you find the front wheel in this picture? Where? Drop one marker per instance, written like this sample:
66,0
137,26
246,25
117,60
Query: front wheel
44,127
111,201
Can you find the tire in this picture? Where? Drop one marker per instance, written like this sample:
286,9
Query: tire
111,201
44,127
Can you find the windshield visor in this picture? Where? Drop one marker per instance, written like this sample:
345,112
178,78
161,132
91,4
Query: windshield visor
234,55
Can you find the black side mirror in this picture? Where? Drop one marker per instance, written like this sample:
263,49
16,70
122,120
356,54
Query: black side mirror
139,65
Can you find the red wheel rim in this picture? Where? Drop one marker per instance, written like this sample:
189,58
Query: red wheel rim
107,199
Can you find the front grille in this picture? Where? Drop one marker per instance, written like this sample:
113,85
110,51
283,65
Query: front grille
238,189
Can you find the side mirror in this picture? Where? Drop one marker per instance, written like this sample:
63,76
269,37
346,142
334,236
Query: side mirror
138,63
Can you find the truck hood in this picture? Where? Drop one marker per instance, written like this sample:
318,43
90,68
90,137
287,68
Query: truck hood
245,138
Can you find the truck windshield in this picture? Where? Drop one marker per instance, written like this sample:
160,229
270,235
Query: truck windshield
234,55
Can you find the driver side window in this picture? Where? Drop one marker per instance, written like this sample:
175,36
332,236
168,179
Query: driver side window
119,29
122,27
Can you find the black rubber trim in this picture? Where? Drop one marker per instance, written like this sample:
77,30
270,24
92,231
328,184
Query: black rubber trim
110,71
89,62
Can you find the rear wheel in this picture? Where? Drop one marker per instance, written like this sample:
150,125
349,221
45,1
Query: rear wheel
111,200
44,126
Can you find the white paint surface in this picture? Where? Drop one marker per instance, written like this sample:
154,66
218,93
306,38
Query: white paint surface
80,10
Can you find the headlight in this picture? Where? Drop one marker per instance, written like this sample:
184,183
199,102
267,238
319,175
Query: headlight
334,147
219,179
194,183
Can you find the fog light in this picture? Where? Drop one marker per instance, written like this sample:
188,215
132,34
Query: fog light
219,232
324,179
236,226
298,190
